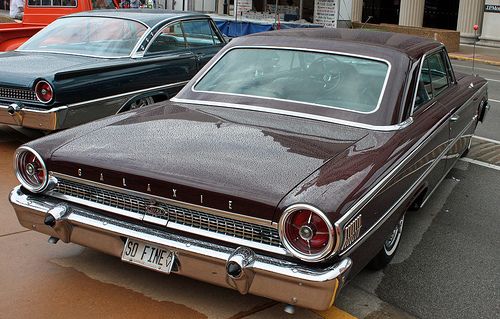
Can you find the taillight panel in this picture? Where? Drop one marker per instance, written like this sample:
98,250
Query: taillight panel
30,169
44,91
306,232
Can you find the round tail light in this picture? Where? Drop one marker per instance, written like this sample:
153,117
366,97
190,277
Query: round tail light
306,232
30,169
44,92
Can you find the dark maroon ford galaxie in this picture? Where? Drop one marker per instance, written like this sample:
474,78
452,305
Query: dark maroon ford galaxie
282,169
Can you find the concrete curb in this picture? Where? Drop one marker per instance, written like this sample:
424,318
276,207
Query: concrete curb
466,58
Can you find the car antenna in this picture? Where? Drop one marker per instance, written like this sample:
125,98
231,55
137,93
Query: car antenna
474,47
364,23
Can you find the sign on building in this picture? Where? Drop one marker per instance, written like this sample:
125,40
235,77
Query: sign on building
244,6
492,8
326,12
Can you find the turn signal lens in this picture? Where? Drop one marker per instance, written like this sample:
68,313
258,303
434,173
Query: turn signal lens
30,169
306,232
44,92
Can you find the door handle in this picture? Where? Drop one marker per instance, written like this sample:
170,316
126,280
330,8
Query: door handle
454,118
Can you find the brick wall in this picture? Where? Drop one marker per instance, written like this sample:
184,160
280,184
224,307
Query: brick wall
450,38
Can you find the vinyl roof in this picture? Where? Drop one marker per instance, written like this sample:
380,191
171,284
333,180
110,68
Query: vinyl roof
411,45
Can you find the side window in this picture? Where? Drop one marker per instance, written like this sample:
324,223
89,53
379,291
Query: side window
434,79
200,33
169,38
438,72
424,88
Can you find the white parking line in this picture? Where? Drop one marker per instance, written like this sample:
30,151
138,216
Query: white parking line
476,68
488,165
492,100
492,80
486,139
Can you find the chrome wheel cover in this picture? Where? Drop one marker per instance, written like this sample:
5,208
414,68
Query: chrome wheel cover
392,241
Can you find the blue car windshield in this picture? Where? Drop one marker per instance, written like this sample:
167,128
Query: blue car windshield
91,36
329,80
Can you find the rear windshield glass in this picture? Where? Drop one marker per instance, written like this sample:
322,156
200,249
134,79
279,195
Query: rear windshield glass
324,79
93,36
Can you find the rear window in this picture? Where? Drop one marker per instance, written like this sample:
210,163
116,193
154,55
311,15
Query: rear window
91,36
324,79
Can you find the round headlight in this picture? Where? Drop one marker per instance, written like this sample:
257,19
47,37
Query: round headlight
30,169
306,232
44,92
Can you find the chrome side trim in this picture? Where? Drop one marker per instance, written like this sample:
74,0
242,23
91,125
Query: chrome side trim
166,86
174,202
306,50
395,127
361,203
28,109
407,194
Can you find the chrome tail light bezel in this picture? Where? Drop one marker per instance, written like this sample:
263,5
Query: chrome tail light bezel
20,155
42,82
329,248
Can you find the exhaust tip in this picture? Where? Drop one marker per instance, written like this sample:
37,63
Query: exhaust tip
289,309
49,220
14,108
53,240
233,269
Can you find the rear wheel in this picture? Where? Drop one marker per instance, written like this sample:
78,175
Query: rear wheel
391,244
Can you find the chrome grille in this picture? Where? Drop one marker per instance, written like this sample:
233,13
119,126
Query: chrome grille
351,232
17,94
174,214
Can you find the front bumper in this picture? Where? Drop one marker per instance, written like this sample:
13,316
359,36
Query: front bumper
47,120
263,276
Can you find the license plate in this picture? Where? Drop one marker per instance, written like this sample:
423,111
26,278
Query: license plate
148,255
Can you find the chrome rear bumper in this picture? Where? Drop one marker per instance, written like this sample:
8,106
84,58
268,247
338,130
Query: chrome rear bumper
261,275
47,120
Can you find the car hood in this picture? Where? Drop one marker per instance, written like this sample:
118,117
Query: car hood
21,69
221,158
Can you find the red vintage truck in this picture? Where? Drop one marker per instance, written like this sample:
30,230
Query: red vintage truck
39,13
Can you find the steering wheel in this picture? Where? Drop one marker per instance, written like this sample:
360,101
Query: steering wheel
327,70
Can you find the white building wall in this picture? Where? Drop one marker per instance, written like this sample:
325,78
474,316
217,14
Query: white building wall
490,34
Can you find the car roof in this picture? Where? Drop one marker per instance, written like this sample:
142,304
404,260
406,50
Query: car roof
150,17
412,46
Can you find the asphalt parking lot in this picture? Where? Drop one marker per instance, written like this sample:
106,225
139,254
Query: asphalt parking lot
447,265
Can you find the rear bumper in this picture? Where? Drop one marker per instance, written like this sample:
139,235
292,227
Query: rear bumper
46,120
261,275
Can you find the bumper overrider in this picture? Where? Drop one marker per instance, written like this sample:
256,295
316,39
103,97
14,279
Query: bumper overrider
242,268
47,120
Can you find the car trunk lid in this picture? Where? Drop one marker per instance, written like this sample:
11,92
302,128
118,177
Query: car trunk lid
231,160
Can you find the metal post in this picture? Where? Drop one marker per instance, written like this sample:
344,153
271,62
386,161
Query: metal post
474,47
235,10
